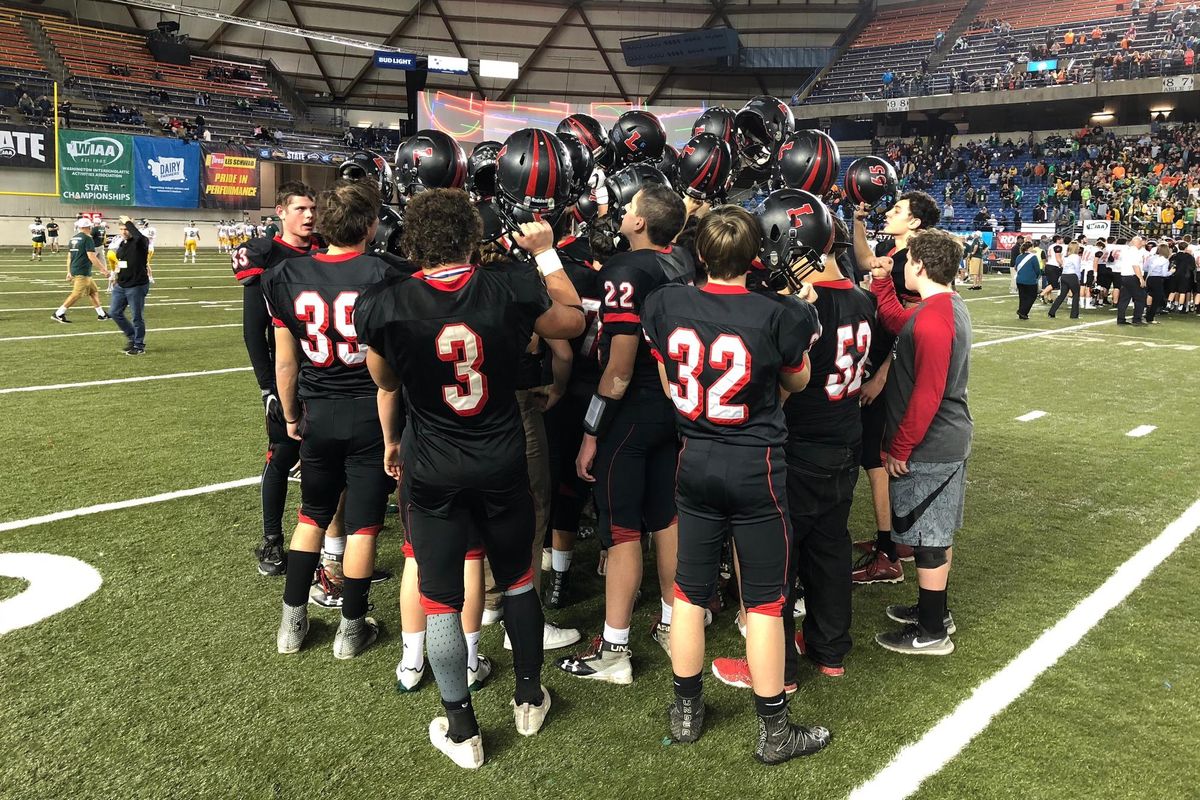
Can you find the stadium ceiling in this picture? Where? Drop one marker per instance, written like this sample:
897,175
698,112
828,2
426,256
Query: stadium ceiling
567,49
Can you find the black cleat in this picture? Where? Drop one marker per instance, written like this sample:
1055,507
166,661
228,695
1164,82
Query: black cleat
685,719
555,594
270,558
381,575
907,615
779,740
60,318
103,317
135,351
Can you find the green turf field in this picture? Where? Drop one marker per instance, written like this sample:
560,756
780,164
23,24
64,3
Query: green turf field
165,683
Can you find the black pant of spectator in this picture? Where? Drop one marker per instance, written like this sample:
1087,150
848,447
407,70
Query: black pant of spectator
820,488
1026,294
1067,283
1156,287
1131,289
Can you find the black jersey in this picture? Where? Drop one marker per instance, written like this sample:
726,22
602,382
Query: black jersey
313,297
253,258
627,280
827,412
724,347
249,262
576,259
899,256
455,339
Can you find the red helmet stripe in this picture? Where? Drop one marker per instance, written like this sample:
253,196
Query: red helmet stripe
552,157
531,184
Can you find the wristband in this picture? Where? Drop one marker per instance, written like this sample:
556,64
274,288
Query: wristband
291,421
600,414
548,262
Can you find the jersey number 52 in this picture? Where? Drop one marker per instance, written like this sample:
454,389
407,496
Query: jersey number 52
853,344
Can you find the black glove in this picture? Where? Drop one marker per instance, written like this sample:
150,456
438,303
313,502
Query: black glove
273,407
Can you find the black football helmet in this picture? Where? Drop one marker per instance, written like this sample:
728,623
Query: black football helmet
720,121
762,125
493,226
668,163
388,234
481,170
582,163
807,160
369,166
625,183
636,137
797,231
870,180
588,131
533,177
705,168
430,160
586,208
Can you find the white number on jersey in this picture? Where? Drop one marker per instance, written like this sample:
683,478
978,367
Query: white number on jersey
311,309
852,348
728,353
458,344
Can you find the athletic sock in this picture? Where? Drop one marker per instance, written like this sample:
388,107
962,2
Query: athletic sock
560,560
472,650
525,623
300,567
447,658
770,706
354,597
334,546
884,543
689,688
413,654
100,312
461,716
931,611
667,610
61,310
616,635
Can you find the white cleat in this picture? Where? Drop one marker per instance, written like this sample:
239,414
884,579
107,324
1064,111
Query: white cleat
530,718
492,615
468,754
553,637
409,679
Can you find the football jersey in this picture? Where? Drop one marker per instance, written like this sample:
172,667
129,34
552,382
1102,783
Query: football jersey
150,233
626,281
455,340
38,232
576,259
191,234
313,296
724,348
253,258
827,411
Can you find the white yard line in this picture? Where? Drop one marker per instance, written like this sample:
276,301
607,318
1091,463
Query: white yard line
121,504
1031,416
1142,430
66,290
105,305
107,333
138,379
924,758
1040,333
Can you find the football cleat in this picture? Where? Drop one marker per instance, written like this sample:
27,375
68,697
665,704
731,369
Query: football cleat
408,679
733,672
555,595
530,718
780,740
59,317
293,627
912,641
685,719
660,632
799,610
354,636
467,754
907,615
603,661
903,551
876,567
270,558
547,559
103,317
553,637
380,575
476,678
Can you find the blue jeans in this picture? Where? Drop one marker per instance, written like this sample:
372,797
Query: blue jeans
135,298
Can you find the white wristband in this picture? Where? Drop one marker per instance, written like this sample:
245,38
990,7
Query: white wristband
601,195
548,262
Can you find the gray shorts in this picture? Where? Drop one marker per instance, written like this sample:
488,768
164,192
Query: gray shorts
927,503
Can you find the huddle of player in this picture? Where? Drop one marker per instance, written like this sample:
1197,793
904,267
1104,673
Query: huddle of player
712,392
231,234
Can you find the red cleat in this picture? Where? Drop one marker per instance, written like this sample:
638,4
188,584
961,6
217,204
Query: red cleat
904,551
733,672
876,568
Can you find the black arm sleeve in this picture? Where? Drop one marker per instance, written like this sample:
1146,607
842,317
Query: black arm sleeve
259,338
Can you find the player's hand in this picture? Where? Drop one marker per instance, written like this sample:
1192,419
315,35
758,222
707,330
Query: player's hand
124,219
696,208
895,467
534,237
272,407
861,212
587,454
293,430
881,266
545,397
807,293
870,390
393,463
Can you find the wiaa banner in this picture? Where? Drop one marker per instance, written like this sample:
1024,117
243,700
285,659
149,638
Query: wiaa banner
95,168
231,178
166,172
26,146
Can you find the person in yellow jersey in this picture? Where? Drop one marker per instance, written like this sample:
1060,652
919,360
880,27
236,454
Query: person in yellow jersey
37,232
191,240
150,232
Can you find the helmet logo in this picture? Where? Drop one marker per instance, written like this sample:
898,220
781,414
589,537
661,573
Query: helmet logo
688,150
630,142
795,214
427,152
699,129
879,171
785,147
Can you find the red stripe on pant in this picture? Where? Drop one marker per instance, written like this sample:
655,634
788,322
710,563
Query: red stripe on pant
622,535
370,530
772,609
679,595
433,607
305,519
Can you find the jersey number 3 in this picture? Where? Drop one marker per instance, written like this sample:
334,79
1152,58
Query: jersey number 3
852,348
311,309
461,346
728,353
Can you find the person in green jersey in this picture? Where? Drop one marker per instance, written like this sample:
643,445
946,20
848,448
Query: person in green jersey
80,260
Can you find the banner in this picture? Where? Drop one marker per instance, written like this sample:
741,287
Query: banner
1097,228
309,156
386,59
1005,240
230,178
95,168
166,172
25,146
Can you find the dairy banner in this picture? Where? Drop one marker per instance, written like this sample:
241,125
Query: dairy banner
166,172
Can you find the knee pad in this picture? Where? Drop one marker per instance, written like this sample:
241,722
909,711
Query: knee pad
929,557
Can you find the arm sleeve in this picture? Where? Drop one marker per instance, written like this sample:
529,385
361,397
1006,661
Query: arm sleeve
797,327
892,315
256,332
134,233
625,289
933,343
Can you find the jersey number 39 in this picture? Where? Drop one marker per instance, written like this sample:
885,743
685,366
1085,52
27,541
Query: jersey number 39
311,309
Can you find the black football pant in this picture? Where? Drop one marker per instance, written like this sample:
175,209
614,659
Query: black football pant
342,449
820,487
282,454
1131,289
635,470
569,492
1156,287
1026,294
1069,284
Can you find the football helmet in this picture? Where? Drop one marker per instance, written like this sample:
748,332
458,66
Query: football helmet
720,121
587,130
797,232
870,180
389,232
586,207
533,177
705,168
481,170
581,163
493,226
623,184
429,160
668,163
636,137
807,160
369,166
762,125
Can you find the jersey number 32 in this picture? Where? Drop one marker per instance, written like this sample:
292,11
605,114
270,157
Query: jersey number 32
728,353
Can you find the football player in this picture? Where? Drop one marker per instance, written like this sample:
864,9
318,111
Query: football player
725,354
222,237
914,211
629,448
327,396
295,204
451,335
151,233
191,240
37,233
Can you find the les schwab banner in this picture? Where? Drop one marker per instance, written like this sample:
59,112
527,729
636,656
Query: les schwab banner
95,168
230,179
